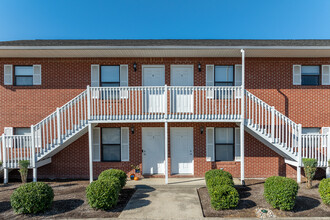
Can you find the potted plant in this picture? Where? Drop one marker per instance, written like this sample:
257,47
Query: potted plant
23,169
136,167
132,176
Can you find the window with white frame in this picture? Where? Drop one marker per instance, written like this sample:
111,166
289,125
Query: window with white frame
310,75
23,75
22,131
224,75
311,130
224,144
110,76
111,144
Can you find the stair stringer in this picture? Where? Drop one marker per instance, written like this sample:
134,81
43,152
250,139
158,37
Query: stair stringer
58,147
275,147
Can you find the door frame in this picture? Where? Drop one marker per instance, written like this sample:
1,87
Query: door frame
181,65
193,151
152,66
143,158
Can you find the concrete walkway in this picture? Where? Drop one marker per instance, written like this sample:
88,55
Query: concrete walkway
154,200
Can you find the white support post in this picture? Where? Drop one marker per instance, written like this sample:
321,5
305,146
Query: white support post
166,153
59,141
34,167
165,101
242,124
328,156
272,132
299,154
5,169
90,140
88,103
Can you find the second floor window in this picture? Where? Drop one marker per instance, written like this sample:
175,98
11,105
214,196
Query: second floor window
310,75
110,76
223,75
23,75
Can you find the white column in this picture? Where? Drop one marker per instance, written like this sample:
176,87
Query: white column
33,145
4,161
242,118
166,153
299,154
90,140
88,103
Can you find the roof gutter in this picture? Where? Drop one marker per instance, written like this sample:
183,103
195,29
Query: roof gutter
164,47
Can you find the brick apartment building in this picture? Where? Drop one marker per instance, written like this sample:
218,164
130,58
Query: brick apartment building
175,108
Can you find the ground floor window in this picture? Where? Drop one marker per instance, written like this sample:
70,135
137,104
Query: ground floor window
111,144
224,144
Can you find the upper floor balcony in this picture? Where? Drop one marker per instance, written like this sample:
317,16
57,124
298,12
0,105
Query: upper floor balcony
171,103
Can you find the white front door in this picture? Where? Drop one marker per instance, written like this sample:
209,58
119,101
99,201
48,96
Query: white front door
182,151
183,75
153,151
154,75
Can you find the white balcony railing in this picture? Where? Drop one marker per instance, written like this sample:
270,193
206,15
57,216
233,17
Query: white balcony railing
165,102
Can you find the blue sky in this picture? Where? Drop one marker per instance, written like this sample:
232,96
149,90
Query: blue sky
166,19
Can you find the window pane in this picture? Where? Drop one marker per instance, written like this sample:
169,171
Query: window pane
111,153
224,135
311,130
107,84
23,70
22,131
310,70
224,152
24,81
110,73
110,135
224,73
310,80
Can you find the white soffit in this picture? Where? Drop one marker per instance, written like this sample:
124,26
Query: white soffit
163,52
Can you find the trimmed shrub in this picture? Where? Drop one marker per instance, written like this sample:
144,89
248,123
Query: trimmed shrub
121,175
324,190
221,173
102,194
310,166
281,192
219,181
223,197
32,198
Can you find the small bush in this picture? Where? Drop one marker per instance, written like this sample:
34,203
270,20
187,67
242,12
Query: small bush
23,165
219,180
223,197
324,190
281,192
121,175
310,166
32,198
221,173
102,194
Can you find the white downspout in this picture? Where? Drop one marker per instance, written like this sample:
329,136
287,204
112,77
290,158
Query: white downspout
166,153
242,118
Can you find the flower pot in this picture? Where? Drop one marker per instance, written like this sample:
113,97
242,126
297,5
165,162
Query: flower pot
137,170
132,177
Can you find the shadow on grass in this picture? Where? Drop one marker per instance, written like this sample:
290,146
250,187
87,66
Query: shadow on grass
140,197
62,206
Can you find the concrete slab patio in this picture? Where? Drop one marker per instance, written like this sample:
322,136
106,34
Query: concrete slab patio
155,200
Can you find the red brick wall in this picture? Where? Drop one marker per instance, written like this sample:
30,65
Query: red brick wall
63,78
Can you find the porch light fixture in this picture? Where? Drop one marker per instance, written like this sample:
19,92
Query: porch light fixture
199,67
134,66
202,130
132,130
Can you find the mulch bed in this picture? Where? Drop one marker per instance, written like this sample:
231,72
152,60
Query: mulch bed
308,202
69,202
